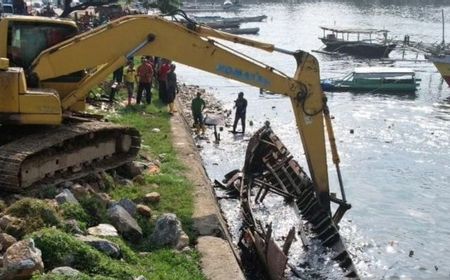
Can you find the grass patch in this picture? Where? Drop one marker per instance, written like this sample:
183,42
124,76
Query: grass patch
175,189
176,197
35,213
76,211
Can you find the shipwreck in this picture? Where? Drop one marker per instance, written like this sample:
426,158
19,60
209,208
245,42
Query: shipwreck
270,170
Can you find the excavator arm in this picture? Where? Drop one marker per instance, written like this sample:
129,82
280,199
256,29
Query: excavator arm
109,46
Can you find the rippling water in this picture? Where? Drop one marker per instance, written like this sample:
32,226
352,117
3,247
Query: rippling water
395,164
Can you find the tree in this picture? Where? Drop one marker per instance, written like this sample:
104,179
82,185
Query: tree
68,7
166,6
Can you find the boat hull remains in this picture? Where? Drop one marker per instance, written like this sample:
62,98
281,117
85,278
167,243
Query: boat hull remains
270,168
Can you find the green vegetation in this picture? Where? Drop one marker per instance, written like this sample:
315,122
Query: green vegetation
76,211
35,213
60,249
175,189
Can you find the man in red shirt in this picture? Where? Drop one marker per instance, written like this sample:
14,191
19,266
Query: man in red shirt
162,80
145,76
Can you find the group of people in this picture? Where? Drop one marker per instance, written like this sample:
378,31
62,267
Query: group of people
163,71
149,72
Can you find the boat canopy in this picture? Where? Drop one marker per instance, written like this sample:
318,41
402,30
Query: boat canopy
383,70
354,30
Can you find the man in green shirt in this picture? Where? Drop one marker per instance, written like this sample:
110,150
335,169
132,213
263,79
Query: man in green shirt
198,105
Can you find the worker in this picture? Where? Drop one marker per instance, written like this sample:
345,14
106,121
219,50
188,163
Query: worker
162,80
172,88
241,109
145,75
130,79
198,105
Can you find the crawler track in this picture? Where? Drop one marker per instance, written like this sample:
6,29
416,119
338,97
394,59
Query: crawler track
67,152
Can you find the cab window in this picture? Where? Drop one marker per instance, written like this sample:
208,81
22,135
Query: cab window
26,40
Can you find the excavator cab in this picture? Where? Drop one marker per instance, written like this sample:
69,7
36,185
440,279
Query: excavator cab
26,38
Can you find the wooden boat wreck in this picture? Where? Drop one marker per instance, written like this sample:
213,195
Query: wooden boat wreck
356,41
271,170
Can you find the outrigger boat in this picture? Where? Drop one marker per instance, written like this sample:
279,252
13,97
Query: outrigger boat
356,41
375,79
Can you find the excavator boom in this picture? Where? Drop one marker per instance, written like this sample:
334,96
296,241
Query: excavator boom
155,36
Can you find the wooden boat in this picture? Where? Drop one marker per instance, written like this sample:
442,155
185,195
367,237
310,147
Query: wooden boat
351,41
234,19
222,24
250,30
375,79
442,63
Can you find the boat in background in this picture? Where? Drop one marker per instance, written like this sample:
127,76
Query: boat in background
442,63
350,41
238,19
375,79
241,31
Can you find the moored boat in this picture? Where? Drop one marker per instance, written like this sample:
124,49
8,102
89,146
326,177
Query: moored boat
250,30
442,63
356,41
375,79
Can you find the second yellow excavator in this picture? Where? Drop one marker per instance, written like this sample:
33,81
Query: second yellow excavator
47,70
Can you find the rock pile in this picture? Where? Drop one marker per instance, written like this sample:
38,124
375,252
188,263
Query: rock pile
84,210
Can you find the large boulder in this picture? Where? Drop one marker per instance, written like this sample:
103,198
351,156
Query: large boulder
65,271
12,225
131,169
22,260
144,210
103,230
128,205
66,196
6,241
125,223
152,197
105,246
79,191
72,226
168,232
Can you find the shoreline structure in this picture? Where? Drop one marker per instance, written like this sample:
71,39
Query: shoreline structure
219,259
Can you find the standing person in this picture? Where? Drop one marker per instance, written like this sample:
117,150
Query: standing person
115,83
241,109
164,69
130,79
197,106
145,75
172,88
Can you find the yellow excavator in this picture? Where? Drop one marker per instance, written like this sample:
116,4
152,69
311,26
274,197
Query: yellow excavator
47,70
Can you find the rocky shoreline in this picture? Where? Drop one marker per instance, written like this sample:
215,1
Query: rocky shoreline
73,208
